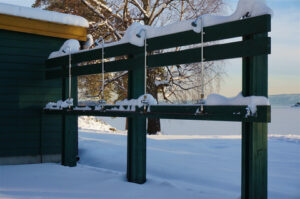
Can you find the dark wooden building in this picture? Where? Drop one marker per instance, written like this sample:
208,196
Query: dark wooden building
25,44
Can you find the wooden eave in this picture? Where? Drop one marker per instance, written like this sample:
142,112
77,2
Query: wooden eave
38,27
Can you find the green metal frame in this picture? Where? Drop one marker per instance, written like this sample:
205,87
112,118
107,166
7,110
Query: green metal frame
254,49
182,112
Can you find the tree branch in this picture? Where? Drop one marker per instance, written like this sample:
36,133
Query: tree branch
154,7
136,4
107,9
125,11
162,8
109,24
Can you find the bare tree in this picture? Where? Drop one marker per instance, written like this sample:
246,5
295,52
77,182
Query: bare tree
110,19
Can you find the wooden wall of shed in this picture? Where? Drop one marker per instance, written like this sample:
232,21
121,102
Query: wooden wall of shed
24,92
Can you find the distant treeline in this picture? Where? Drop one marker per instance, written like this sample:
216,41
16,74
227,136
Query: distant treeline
284,99
275,100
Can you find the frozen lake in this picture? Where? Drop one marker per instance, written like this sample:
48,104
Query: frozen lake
284,120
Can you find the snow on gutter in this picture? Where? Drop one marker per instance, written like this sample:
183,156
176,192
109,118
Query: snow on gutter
43,15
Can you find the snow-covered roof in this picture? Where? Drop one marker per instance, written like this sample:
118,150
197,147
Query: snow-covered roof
43,15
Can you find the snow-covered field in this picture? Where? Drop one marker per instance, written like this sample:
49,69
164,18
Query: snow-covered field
178,166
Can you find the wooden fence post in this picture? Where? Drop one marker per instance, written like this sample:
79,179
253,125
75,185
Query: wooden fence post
70,128
255,134
136,136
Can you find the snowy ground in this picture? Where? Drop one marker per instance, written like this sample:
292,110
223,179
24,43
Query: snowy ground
177,167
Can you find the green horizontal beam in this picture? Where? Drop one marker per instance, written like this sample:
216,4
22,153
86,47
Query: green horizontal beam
94,54
217,113
255,47
227,30
183,112
217,32
114,66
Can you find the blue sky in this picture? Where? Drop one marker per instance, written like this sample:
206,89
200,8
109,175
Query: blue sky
27,3
284,62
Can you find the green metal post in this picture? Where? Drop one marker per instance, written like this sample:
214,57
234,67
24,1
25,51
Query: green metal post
254,134
70,130
136,138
